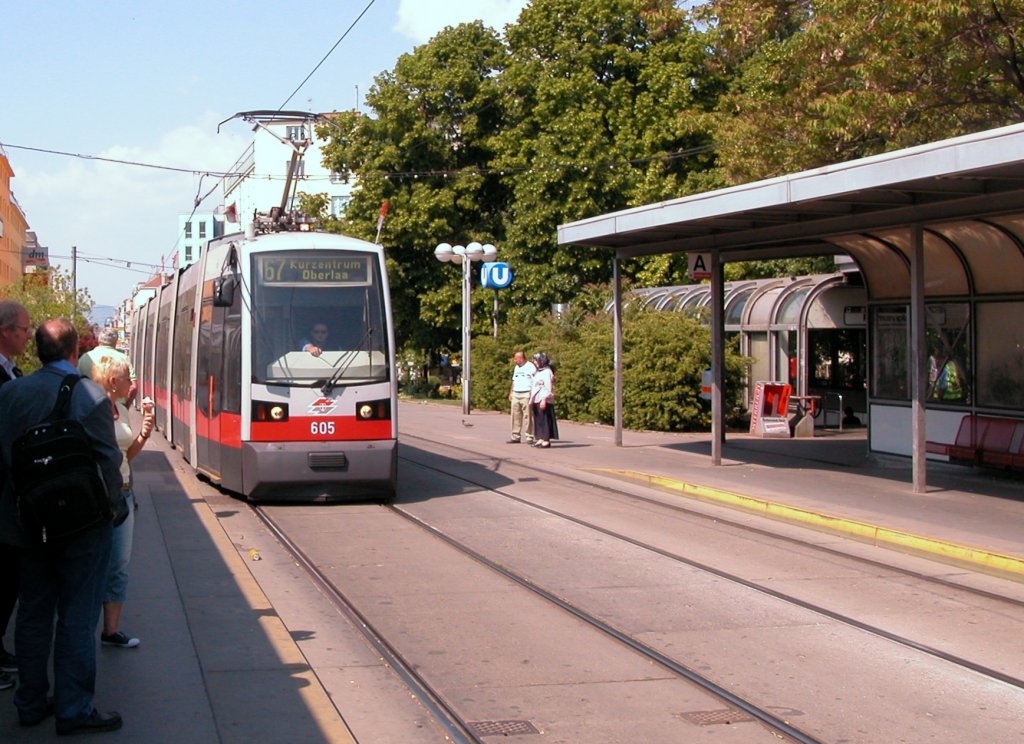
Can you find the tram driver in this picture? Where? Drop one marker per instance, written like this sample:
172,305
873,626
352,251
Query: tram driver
316,340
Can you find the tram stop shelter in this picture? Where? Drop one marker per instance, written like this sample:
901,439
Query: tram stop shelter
809,331
937,232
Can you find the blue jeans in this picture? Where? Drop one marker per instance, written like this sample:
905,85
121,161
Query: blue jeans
66,578
116,586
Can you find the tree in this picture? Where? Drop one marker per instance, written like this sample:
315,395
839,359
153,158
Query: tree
426,153
824,81
48,295
597,94
591,105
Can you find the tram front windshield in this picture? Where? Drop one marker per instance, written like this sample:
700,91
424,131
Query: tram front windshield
318,316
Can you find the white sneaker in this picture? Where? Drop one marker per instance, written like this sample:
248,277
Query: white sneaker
119,639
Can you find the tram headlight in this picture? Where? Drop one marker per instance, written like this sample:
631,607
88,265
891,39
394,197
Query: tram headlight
263,411
373,410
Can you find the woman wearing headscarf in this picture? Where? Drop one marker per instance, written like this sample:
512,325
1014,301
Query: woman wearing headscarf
542,401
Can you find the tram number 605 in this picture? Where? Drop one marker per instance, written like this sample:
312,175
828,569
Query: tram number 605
321,428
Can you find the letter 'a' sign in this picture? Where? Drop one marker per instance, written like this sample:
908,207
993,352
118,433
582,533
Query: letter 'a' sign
495,275
699,265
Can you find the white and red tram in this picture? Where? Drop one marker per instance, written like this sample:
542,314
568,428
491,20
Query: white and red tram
220,351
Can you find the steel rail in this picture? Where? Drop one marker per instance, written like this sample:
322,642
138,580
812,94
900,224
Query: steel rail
938,581
771,721
932,651
455,728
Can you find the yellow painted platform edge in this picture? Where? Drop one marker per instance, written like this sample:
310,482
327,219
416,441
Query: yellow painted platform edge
875,534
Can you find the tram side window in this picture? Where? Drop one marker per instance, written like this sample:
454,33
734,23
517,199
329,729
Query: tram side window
1001,354
182,358
163,332
232,384
203,369
948,338
890,352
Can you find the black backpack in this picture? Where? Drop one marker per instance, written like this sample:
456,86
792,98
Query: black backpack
59,488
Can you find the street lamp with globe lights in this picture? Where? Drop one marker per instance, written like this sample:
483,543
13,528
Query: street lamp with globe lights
466,256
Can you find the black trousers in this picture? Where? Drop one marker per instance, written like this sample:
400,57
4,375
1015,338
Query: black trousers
9,572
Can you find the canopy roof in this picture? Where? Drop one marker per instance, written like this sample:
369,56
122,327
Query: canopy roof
748,305
967,192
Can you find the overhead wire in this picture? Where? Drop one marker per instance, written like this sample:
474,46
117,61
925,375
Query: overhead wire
329,53
116,161
202,173
197,201
223,175
220,175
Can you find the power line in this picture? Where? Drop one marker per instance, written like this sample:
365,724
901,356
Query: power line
116,161
306,80
221,175
114,263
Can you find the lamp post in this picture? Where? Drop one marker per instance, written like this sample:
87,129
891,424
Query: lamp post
466,256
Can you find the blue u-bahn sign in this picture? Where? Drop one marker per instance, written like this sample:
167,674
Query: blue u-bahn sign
495,275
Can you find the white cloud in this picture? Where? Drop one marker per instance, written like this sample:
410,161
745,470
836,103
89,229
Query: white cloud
123,212
420,20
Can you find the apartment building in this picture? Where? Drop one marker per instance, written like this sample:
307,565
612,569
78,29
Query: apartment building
194,231
13,227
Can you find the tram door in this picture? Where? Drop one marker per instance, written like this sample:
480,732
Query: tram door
209,382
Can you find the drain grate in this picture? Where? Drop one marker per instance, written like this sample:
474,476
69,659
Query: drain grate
502,728
716,717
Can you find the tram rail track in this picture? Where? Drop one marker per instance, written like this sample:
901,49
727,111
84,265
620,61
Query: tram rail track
769,719
633,493
901,640
457,728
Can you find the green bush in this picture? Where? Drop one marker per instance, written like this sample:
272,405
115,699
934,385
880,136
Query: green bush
664,355
421,387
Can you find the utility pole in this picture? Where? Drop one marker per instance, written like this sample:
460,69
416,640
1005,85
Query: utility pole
74,273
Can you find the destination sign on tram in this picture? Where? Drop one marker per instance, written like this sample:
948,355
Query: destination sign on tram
335,270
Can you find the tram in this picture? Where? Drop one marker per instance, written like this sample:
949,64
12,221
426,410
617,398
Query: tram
223,351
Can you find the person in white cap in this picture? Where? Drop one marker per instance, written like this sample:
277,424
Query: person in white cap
108,348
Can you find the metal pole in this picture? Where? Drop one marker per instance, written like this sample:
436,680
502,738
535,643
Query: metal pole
918,357
74,273
467,310
717,358
617,341
494,315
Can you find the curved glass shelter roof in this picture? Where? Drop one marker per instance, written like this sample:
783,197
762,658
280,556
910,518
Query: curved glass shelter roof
749,305
966,192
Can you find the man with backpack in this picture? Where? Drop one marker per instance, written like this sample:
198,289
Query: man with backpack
64,575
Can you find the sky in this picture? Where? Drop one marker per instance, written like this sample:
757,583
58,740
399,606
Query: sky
149,82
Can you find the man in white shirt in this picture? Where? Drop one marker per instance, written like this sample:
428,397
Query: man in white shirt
519,397
108,347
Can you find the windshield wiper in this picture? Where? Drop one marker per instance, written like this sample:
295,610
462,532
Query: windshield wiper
349,357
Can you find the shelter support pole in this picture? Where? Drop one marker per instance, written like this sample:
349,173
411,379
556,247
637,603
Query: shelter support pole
617,342
918,356
717,358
